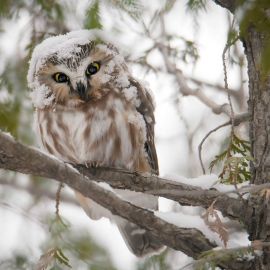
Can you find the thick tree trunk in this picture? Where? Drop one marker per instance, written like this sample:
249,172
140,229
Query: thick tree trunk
259,106
255,43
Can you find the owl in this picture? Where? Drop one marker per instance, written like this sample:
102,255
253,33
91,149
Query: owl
89,109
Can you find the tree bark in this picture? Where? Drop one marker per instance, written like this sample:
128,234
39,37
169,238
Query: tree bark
255,41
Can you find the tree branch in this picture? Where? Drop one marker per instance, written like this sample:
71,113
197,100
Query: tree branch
233,92
185,89
179,192
17,157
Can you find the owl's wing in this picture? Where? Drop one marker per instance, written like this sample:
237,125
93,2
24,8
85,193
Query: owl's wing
146,109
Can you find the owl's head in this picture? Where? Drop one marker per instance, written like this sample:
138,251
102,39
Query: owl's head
74,68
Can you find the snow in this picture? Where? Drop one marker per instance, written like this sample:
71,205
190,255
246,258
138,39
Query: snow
208,181
106,187
119,59
110,67
63,46
230,188
138,121
122,80
41,95
191,220
148,90
131,95
5,96
190,217
7,134
204,181
105,78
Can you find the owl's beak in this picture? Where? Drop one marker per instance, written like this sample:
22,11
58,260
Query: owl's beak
81,90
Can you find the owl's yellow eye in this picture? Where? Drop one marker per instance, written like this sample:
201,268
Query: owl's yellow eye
92,69
60,77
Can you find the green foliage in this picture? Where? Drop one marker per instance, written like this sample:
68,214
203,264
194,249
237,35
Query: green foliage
18,262
157,262
169,5
190,53
92,19
54,255
13,80
52,8
132,7
235,161
256,15
265,61
196,5
69,249
185,49
10,8
5,6
209,260
9,117
52,259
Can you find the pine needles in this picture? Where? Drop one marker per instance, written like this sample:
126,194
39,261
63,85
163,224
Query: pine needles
235,159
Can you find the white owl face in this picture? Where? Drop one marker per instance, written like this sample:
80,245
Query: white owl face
83,72
76,79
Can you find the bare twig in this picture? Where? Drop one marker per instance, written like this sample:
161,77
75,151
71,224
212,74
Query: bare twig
57,199
237,120
185,89
204,139
233,92
228,45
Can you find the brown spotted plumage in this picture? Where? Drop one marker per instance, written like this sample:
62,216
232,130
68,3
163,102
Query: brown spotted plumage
89,109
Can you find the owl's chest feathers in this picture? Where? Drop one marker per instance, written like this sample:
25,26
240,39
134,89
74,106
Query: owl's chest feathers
105,134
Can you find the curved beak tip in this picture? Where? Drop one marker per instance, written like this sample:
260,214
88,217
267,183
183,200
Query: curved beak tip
81,90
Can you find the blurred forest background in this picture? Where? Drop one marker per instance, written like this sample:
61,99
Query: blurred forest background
176,46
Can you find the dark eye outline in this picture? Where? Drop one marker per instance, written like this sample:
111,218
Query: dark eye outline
60,77
92,69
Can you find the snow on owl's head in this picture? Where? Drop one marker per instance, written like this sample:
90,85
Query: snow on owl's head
74,68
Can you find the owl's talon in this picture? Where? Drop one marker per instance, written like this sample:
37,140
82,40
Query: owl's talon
98,164
93,164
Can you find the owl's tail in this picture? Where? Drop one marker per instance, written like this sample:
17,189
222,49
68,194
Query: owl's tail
139,241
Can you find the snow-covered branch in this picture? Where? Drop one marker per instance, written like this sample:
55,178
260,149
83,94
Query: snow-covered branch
18,157
179,192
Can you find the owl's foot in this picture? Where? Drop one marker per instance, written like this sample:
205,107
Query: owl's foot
92,164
